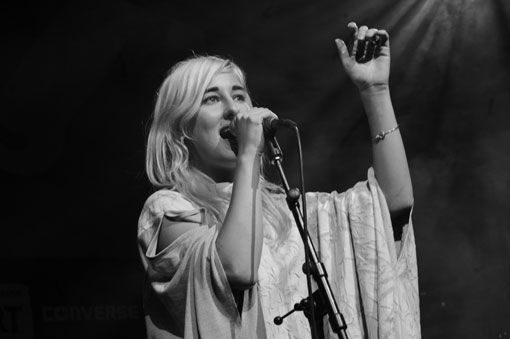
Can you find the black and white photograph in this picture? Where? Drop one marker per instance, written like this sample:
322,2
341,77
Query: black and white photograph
273,169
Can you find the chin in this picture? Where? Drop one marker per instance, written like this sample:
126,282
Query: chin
231,161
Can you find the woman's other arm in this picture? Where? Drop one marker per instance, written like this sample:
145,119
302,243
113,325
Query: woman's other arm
368,65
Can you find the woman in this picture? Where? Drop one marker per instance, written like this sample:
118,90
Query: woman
221,253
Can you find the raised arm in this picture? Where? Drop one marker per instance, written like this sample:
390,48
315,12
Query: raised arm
368,66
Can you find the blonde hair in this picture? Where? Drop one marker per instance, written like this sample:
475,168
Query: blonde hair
168,162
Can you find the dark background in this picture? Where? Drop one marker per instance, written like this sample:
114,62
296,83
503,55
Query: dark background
78,85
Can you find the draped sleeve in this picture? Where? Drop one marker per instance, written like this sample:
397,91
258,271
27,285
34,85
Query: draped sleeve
186,292
374,281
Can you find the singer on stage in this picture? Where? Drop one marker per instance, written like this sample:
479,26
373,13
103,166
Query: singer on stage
221,252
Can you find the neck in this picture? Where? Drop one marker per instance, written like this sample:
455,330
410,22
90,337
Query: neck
216,174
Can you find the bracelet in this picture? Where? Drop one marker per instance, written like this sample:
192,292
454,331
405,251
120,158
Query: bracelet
381,135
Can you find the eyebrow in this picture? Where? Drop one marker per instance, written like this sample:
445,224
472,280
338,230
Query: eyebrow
216,89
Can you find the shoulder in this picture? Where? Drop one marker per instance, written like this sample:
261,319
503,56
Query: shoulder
168,201
165,203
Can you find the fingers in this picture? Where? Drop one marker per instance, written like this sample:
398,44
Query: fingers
249,127
260,113
344,53
383,40
343,50
383,36
254,116
354,31
362,44
367,43
371,43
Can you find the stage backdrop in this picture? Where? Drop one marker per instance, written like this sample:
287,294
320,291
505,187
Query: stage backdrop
78,85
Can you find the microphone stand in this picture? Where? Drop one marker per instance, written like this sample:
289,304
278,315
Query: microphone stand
323,299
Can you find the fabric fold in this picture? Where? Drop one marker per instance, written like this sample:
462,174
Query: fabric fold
188,281
187,294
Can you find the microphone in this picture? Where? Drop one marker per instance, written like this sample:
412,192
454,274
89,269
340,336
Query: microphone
270,126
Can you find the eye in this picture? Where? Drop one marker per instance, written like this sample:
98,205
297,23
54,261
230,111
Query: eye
211,99
240,97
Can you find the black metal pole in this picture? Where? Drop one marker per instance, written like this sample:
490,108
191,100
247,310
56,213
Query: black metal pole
317,269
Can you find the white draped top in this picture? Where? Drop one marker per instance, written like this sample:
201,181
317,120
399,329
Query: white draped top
374,279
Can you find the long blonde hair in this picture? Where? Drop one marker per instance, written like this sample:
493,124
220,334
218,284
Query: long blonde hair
168,162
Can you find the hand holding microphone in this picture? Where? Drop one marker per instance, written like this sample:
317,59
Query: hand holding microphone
248,130
269,125
244,131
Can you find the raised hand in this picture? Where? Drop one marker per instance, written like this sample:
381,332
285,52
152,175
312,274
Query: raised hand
368,63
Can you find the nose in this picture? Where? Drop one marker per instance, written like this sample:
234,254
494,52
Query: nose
231,110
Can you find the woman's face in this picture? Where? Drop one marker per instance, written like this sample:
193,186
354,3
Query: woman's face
224,97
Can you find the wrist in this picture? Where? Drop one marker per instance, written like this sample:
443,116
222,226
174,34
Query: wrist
248,167
376,99
249,150
374,90
248,156
378,109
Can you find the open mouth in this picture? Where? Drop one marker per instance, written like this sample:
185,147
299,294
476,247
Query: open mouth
233,145
232,140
